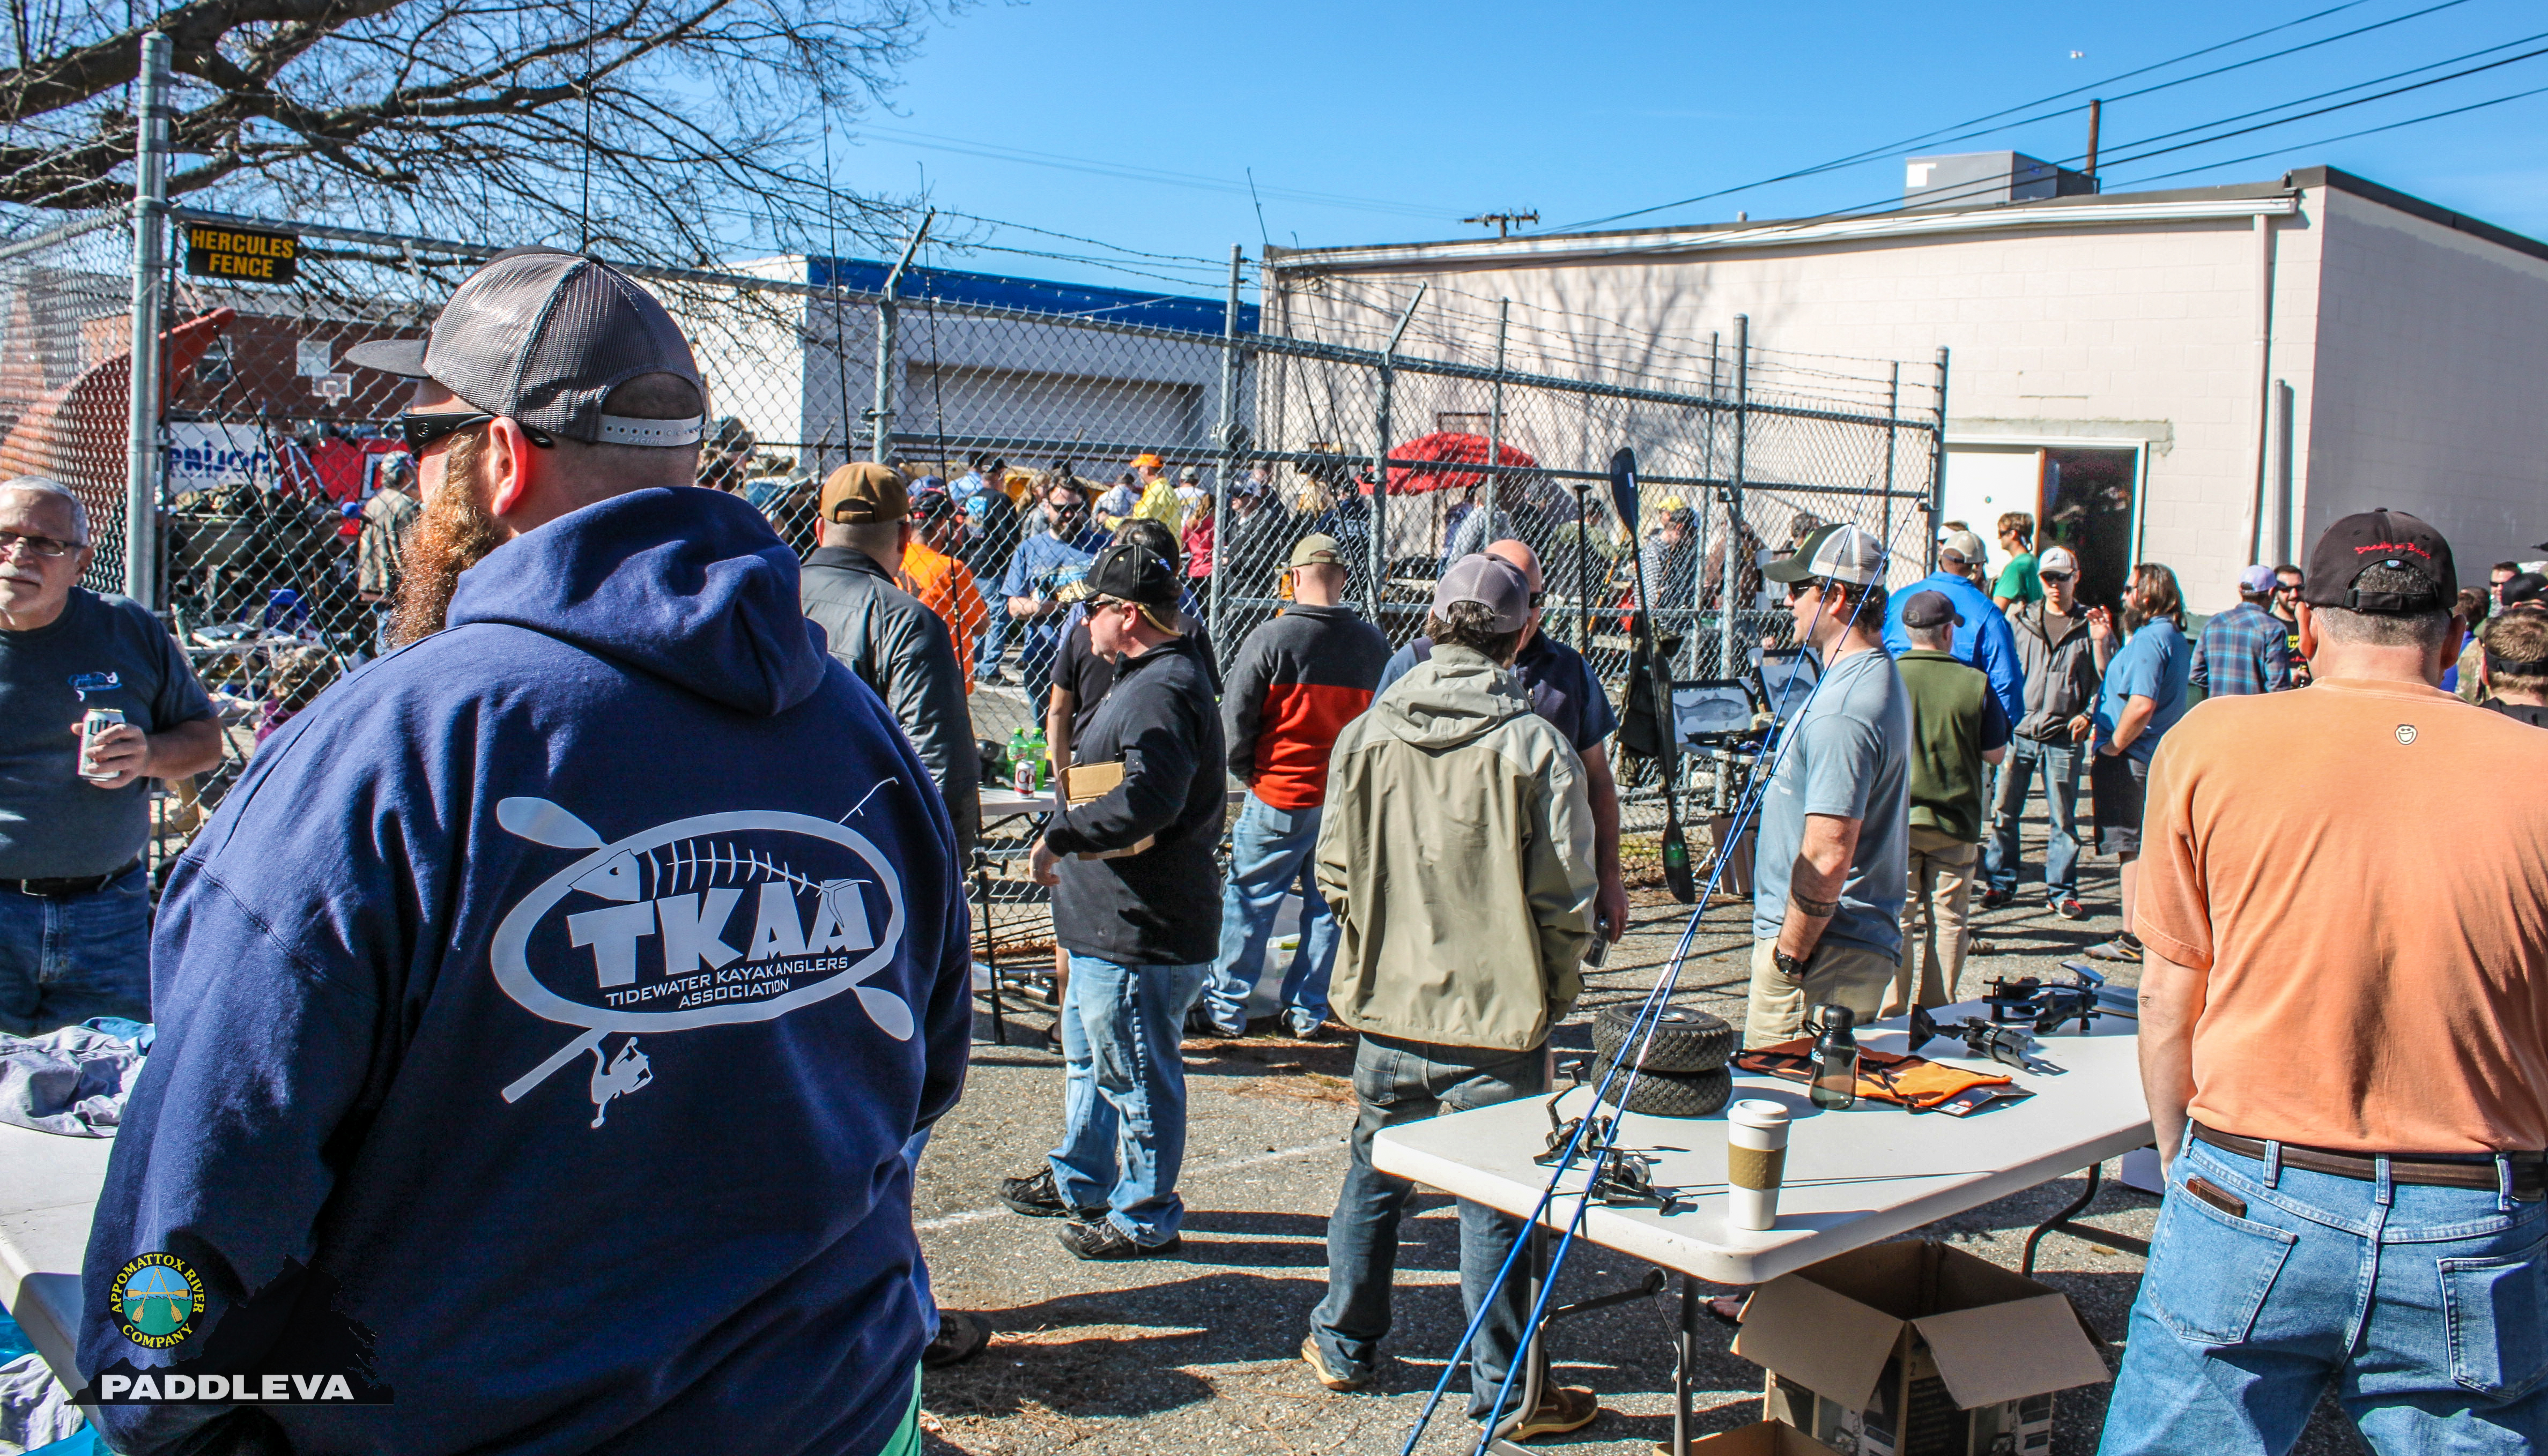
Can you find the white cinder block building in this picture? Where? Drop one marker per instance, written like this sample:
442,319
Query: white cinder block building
2205,377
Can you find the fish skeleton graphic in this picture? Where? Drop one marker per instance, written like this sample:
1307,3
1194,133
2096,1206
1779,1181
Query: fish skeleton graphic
697,857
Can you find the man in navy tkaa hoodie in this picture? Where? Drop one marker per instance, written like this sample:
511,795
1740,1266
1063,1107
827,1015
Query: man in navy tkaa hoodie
543,1015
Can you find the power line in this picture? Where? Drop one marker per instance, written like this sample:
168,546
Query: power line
1984,188
1134,173
2348,137
1932,136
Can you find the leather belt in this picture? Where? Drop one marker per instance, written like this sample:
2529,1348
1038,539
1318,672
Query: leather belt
2530,1169
74,885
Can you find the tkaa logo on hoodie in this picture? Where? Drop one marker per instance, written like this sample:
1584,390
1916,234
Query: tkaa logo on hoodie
705,921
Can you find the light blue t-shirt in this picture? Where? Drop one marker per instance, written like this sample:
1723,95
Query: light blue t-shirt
1848,755
2152,663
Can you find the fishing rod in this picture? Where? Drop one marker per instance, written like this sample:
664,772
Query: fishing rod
1642,1030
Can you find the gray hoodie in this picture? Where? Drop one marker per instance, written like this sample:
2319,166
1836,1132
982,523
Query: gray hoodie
2060,667
1456,853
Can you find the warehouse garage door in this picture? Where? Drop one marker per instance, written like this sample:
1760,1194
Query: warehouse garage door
1022,405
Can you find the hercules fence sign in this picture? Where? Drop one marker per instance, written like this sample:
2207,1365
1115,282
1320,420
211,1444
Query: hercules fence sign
244,254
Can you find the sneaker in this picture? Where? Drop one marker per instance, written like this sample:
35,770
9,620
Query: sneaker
1324,1373
2123,947
991,678
959,1338
1305,1030
1199,1023
2069,907
1036,1196
1102,1238
1995,897
1562,1409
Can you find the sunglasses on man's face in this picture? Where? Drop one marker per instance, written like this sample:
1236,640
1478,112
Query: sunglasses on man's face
423,429
2054,576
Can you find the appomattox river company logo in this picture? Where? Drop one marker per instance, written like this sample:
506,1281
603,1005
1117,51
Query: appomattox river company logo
705,921
154,1300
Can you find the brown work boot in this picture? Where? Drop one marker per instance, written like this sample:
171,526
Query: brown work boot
1562,1409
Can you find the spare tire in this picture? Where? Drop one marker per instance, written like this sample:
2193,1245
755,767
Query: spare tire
1667,1094
1686,1038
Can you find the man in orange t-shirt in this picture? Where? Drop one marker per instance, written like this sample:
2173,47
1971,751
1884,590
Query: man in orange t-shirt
944,584
2344,1041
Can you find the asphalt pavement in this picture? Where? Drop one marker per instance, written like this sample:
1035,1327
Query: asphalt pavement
1198,1351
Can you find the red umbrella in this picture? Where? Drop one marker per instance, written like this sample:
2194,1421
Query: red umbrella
1444,447
78,434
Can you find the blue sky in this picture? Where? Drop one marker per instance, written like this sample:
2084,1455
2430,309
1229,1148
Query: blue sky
1371,122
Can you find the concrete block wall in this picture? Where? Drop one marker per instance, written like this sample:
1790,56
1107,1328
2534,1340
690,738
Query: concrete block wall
2431,382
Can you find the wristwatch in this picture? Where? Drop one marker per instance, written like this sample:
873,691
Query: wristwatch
1790,967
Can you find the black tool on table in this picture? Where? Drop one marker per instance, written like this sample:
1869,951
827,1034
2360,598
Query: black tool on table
1677,874
2046,1006
1989,1040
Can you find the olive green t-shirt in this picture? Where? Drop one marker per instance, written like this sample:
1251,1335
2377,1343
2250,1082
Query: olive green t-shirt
1956,718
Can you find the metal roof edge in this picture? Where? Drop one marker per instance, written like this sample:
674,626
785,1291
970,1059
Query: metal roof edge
2273,200
2416,207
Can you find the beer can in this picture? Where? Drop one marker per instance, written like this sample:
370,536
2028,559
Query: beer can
92,723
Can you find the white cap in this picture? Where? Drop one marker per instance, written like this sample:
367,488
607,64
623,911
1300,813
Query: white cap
2056,559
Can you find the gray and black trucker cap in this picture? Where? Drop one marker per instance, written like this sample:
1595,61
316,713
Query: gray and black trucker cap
542,336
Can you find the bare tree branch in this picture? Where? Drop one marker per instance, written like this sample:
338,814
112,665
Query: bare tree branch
663,126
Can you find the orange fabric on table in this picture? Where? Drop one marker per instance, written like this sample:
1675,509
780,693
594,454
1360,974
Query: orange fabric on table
1914,1082
946,587
2360,869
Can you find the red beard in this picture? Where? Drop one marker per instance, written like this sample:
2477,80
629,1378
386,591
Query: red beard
455,533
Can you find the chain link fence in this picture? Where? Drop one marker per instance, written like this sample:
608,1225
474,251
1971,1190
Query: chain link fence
1381,419
66,372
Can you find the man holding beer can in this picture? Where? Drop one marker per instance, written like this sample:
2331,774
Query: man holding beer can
95,697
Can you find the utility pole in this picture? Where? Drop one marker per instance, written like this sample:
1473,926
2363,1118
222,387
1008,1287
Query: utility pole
149,229
1503,222
881,417
2095,107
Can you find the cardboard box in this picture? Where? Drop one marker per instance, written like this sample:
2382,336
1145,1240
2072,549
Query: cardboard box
1087,782
1761,1438
1917,1349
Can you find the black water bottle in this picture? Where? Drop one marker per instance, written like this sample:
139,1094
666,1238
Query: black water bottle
1835,1058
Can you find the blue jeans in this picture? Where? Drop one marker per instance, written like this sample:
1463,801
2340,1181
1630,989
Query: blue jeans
62,962
2428,1308
1270,852
2060,763
1038,645
995,637
1404,1082
1124,1093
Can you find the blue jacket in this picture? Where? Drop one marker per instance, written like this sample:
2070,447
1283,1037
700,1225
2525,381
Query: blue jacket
1984,641
540,1022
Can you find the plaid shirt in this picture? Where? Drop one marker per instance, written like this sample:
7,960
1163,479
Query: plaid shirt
2243,650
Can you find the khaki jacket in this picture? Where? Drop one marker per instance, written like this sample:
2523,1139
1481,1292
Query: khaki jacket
1456,852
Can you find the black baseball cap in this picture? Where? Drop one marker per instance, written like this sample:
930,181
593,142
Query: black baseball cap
1930,609
2525,588
2381,537
542,336
1131,572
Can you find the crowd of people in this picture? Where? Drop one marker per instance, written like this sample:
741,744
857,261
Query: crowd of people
628,721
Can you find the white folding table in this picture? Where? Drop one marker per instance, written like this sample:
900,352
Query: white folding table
48,1185
1852,1178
